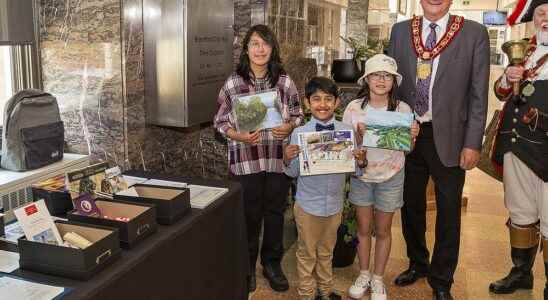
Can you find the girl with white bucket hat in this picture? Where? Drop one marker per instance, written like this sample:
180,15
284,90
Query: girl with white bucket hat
378,192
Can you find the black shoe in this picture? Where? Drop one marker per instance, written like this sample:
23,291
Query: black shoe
442,295
520,277
332,296
251,283
276,278
408,277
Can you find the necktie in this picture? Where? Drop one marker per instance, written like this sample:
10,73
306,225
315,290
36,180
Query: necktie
423,85
320,127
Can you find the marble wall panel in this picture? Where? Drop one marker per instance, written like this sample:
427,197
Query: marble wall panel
81,66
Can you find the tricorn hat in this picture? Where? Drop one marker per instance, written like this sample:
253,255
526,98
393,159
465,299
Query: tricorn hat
524,10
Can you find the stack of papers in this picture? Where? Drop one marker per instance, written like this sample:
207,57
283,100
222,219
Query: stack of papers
12,232
9,261
201,196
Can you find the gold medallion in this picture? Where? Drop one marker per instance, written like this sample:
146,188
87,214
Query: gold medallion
423,70
528,90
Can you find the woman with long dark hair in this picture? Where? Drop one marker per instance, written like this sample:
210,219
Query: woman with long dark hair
256,158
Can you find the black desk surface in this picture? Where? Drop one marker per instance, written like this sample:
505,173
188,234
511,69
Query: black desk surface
202,256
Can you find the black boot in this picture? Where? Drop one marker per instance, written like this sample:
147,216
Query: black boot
520,276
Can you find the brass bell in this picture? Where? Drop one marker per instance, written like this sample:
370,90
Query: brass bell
516,50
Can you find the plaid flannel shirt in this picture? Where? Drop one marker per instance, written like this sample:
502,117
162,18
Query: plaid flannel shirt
267,155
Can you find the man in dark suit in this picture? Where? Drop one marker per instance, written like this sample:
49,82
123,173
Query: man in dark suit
444,60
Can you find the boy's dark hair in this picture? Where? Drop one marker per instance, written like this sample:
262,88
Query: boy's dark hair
393,102
275,68
323,84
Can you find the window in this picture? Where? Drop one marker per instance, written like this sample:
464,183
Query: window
19,65
6,84
18,71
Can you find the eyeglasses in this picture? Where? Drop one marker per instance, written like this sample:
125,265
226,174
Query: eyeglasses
257,45
383,76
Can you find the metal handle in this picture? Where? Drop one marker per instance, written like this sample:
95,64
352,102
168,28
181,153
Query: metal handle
142,229
105,254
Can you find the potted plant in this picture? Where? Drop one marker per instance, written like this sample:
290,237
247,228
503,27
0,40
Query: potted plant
347,70
344,252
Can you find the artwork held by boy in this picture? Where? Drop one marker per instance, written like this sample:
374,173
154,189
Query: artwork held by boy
388,130
326,152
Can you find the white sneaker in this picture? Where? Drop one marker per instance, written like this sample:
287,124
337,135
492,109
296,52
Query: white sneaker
378,290
359,287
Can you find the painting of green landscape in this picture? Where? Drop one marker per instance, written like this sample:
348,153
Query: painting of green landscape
257,111
388,130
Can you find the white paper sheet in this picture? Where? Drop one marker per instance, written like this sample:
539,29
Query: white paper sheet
9,261
17,289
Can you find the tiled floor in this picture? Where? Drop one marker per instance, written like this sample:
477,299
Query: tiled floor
484,253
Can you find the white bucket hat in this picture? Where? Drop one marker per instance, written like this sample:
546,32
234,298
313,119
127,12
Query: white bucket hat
380,63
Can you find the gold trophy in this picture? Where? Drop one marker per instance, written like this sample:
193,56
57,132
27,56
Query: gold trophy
516,50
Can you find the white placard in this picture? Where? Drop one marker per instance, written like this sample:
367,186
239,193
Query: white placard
37,223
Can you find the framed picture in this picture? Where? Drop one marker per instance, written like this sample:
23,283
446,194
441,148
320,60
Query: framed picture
388,130
256,111
402,7
326,152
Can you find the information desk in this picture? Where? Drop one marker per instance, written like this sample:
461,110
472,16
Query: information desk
203,256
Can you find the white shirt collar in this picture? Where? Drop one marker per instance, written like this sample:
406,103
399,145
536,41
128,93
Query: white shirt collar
442,23
331,121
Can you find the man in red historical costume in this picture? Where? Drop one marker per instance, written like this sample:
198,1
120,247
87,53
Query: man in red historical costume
521,147
444,60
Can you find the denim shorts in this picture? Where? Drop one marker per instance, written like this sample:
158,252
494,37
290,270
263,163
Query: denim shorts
386,196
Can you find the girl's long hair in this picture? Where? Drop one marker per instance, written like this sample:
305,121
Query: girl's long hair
274,69
393,101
